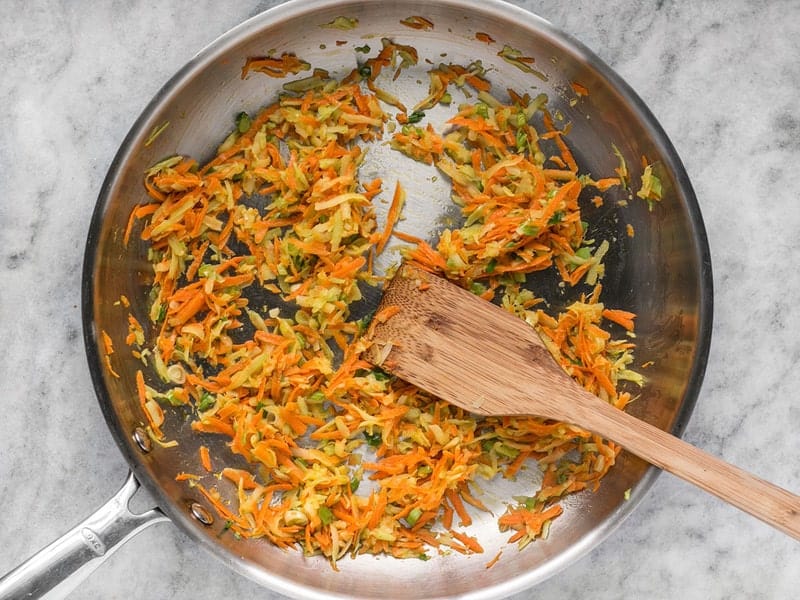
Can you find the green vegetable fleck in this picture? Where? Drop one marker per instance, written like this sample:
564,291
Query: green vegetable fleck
416,116
651,187
243,122
207,400
413,516
155,133
522,140
373,439
325,515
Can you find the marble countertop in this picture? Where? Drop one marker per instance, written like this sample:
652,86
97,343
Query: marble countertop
722,78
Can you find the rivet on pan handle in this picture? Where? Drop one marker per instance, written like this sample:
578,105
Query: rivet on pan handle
57,569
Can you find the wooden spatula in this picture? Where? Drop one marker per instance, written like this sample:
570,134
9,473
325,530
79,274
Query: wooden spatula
476,355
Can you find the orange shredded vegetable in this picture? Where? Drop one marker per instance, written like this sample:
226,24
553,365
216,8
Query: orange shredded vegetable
275,67
205,458
344,458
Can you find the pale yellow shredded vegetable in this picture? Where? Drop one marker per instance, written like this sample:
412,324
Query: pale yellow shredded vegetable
345,459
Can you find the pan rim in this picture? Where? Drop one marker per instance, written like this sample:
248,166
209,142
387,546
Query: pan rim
297,8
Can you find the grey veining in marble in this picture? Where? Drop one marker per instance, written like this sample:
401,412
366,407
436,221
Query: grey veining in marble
723,79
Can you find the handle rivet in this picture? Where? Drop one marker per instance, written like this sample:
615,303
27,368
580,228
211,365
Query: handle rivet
142,440
201,513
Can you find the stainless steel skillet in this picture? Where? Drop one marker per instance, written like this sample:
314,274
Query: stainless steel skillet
662,273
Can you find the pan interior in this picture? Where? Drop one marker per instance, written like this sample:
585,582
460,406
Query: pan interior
662,273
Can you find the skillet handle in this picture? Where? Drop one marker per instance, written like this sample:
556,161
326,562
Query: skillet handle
59,568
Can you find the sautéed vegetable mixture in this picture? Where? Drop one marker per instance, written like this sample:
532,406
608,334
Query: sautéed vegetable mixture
261,259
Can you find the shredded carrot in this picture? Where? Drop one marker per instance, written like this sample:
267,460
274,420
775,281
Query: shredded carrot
470,542
579,89
417,22
108,345
411,239
107,360
386,313
205,458
494,561
394,214
286,388
275,67
620,317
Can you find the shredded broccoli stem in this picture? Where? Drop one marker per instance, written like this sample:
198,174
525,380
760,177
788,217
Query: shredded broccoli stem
282,211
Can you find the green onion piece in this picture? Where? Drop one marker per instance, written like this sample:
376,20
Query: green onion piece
373,439
325,515
226,527
207,400
363,49
413,516
482,110
243,122
380,375
446,98
416,116
206,270
363,322
477,288
522,140
490,266
316,398
365,71
354,483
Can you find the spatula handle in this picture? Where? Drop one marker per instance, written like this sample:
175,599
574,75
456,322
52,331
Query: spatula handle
763,500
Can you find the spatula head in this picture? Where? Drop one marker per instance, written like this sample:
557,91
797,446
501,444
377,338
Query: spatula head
465,350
